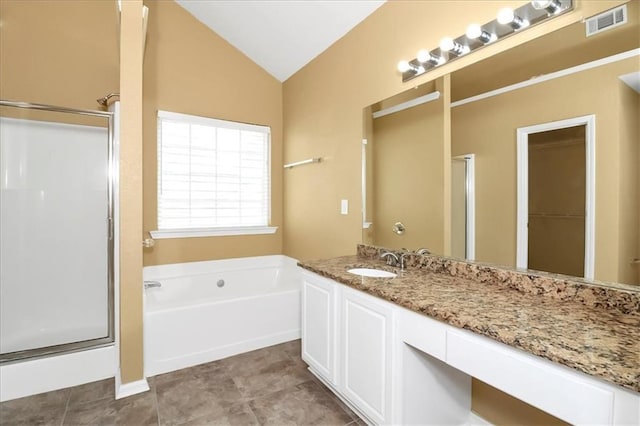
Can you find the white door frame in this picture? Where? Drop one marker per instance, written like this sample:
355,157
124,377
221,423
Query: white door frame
470,204
523,188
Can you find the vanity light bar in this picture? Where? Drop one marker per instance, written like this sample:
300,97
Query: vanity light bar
508,22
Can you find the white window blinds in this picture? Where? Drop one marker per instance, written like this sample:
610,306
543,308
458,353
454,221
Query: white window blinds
212,173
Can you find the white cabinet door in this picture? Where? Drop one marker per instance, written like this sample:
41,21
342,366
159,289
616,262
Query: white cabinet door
319,325
367,326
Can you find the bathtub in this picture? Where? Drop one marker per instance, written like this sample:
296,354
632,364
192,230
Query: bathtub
205,311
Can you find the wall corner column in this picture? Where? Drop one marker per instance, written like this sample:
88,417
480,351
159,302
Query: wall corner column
443,85
131,308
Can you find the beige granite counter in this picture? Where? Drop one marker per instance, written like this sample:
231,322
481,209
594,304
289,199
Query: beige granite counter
587,333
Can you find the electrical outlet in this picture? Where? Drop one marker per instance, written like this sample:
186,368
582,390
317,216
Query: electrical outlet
344,207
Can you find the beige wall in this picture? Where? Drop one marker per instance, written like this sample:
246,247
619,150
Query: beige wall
504,410
323,116
131,333
409,186
189,69
487,128
629,232
323,105
59,53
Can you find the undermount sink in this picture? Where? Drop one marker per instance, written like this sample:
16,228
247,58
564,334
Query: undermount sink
370,272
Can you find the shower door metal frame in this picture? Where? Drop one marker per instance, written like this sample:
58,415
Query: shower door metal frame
99,342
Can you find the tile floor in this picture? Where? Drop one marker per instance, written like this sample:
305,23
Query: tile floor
269,386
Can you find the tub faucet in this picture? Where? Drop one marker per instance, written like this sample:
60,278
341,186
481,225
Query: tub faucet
391,258
152,284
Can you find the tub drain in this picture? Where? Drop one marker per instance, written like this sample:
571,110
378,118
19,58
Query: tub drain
220,283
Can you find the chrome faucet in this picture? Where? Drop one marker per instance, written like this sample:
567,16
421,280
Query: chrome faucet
391,258
420,252
402,261
152,284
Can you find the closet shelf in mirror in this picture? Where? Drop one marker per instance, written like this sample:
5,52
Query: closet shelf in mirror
557,216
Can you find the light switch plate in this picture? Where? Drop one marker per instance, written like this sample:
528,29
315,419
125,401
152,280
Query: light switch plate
344,207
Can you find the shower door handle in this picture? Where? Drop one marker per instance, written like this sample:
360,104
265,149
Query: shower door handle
110,228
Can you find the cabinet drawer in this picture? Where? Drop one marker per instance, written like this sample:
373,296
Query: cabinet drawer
421,332
552,388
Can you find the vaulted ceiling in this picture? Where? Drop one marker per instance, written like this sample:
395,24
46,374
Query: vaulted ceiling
281,36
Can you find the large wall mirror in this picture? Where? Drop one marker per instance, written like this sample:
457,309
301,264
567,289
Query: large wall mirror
542,176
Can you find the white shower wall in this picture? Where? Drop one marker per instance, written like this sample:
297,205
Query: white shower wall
54,228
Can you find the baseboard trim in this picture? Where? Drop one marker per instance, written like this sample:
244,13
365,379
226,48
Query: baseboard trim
124,390
476,420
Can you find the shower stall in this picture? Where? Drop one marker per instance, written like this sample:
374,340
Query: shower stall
57,174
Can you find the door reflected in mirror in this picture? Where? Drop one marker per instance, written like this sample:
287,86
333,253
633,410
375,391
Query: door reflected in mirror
553,200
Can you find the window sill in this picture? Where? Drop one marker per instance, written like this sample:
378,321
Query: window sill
212,232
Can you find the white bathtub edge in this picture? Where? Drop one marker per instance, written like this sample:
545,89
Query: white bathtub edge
158,272
132,388
153,368
56,372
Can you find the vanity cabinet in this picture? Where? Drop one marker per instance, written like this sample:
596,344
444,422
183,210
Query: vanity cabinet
367,353
319,318
394,366
347,341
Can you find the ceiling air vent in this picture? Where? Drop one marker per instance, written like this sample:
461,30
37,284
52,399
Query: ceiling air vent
607,20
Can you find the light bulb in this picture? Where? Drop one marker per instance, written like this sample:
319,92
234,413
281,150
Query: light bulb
540,4
474,31
423,56
446,44
404,66
551,6
506,16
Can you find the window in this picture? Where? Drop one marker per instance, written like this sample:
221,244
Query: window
213,177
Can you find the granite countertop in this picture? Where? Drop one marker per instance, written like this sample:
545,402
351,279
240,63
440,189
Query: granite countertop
599,342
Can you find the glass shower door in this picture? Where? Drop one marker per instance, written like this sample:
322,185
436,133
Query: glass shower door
55,227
